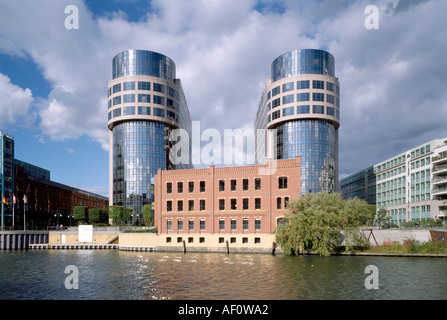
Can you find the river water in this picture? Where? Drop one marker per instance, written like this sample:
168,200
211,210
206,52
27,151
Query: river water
123,275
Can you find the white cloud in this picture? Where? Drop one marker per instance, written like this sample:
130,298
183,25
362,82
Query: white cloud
15,105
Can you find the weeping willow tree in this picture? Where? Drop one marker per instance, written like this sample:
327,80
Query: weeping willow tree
320,222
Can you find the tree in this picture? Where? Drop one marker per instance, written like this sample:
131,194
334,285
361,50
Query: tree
126,215
80,214
147,215
382,220
321,221
97,215
116,213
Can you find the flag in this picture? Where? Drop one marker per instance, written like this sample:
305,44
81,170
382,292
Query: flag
5,201
14,198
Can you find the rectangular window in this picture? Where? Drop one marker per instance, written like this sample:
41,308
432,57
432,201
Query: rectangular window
245,204
128,98
257,183
245,224
117,112
316,96
288,111
169,205
116,100
143,85
288,99
221,204
117,88
144,110
257,203
302,84
303,109
170,91
222,224
288,87
282,183
127,111
318,109
257,224
330,98
233,204
202,205
180,205
191,186
233,224
159,100
302,97
221,185
330,86
170,115
191,205
233,185
158,87
202,224
170,103
191,224
330,111
169,224
316,84
180,187
169,187
130,85
245,184
202,186
276,114
159,112
286,202
144,98
276,90
180,224
278,203
276,103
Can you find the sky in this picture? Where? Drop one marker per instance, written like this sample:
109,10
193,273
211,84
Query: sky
53,79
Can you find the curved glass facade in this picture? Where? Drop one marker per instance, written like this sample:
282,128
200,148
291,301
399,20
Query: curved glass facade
138,151
141,62
315,141
304,61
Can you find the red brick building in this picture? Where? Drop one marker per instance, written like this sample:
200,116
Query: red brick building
226,200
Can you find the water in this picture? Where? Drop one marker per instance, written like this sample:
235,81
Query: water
123,275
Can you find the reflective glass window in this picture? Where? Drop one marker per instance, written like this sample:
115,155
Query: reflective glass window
302,96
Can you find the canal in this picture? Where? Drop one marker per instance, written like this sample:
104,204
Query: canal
124,275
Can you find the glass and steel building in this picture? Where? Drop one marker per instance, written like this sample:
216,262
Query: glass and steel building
411,185
299,115
6,177
146,104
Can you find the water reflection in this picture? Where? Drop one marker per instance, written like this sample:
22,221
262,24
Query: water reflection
113,274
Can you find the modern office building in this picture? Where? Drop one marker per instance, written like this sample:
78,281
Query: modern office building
226,200
31,199
7,177
299,115
146,104
411,186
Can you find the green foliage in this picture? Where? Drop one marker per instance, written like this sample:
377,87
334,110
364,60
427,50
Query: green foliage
382,220
80,214
147,218
321,221
411,246
127,215
97,215
115,213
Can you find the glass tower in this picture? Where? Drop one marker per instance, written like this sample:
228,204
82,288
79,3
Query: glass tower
299,115
146,106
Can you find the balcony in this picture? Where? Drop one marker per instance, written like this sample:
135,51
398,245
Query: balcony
439,191
440,158
438,169
439,179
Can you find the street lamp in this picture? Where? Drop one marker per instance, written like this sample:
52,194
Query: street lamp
57,215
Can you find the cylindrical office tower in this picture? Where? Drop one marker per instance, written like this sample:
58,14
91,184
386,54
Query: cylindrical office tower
300,111
145,103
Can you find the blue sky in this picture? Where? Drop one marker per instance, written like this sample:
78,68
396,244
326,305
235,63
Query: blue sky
53,81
